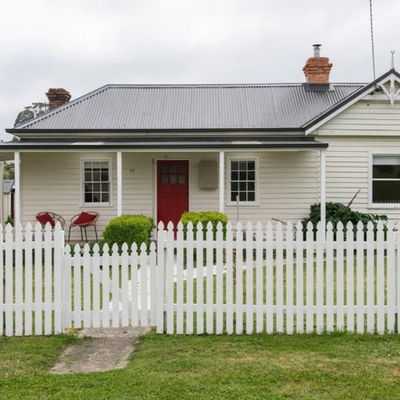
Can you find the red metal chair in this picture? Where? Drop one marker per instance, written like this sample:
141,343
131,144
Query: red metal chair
45,217
83,220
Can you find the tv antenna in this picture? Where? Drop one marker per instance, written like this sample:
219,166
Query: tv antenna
372,38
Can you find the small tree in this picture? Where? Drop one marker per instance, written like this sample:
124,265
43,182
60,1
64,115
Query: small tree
31,112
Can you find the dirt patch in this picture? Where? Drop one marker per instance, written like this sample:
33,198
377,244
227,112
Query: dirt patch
101,349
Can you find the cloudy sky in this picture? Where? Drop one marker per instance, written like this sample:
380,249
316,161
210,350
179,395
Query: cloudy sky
81,45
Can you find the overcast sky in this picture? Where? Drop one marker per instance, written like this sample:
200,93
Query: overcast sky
81,45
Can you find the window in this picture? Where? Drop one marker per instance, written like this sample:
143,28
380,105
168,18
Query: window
386,179
243,185
96,182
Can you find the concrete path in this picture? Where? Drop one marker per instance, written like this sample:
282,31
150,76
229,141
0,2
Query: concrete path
102,349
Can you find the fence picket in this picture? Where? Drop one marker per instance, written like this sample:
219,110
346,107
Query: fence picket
350,277
179,279
189,279
321,276
169,279
360,277
249,278
299,279
209,279
270,278
239,279
199,280
259,279
2,284
340,283
279,277
219,281
18,280
134,280
329,283
125,298
380,279
370,280
229,278
310,279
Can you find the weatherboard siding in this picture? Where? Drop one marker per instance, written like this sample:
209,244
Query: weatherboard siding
367,126
367,117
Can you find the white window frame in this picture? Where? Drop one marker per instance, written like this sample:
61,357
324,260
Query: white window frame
257,183
372,154
82,181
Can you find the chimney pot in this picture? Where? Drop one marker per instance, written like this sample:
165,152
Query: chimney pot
317,68
57,97
317,48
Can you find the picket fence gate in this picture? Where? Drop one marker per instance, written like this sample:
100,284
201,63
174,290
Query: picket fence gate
241,279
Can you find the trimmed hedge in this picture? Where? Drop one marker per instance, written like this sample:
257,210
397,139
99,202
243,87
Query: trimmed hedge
204,217
129,228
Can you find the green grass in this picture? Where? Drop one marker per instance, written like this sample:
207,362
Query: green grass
335,366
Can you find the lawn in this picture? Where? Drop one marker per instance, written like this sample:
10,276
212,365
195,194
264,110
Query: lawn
335,366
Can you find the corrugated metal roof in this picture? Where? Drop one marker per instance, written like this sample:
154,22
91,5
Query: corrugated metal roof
189,107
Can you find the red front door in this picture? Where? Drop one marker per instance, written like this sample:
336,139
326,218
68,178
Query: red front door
172,190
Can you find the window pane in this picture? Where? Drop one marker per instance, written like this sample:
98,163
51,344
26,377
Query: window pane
182,179
172,168
164,179
251,196
104,198
386,191
234,176
172,179
386,171
182,168
251,176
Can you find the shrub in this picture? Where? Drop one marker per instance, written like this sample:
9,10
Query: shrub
129,228
204,217
336,212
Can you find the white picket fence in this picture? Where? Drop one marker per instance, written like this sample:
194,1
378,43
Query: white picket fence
248,279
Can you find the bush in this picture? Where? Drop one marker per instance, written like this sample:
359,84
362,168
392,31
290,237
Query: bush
129,228
204,217
336,212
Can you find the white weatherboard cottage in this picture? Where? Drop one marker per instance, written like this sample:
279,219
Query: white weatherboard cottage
254,151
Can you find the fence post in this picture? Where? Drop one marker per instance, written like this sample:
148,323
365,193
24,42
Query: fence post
161,256
59,247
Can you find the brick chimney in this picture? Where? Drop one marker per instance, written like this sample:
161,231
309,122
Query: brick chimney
317,68
57,97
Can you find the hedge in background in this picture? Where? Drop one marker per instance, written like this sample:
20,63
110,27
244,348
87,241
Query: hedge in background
336,212
129,228
204,217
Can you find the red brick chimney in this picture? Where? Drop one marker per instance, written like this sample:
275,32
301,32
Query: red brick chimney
317,68
57,97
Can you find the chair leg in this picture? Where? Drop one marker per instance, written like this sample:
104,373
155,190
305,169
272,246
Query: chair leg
95,231
69,234
85,233
81,233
